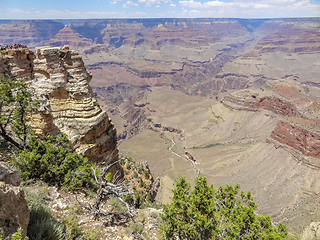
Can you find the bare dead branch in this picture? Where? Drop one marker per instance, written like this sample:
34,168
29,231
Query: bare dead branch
118,188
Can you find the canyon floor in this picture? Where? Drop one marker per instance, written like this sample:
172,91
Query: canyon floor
228,147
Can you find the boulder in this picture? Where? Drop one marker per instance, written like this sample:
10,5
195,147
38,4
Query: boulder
9,175
14,212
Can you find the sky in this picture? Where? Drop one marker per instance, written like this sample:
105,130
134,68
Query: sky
88,9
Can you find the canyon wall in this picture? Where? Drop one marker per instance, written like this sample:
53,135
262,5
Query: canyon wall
57,76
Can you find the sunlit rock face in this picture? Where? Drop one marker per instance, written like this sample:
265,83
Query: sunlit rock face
57,76
70,37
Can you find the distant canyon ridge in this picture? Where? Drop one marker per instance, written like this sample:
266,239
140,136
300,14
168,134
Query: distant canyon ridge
235,100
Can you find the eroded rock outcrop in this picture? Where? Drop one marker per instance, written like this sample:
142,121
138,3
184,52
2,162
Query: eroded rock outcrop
296,111
70,37
14,212
253,100
298,138
59,78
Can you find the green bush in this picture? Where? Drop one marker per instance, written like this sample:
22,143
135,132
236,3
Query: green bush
206,213
18,235
146,174
42,225
47,228
142,217
129,166
52,160
134,227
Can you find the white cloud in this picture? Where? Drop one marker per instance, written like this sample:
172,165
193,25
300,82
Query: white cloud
150,2
138,14
187,8
302,3
157,6
259,5
215,4
191,4
56,14
267,1
237,4
252,8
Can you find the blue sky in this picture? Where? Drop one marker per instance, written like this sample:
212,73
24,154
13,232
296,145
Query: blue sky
83,9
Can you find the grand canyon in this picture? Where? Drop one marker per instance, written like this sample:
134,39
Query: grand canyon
235,100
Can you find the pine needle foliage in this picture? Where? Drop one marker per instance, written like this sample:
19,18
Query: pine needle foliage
52,160
206,213
15,102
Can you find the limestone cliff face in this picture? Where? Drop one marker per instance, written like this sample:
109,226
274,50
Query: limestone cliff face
59,78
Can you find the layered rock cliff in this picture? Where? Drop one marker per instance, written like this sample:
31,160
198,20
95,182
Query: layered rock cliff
70,37
30,32
58,78
293,106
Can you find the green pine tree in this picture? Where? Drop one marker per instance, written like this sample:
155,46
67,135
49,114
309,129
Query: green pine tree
15,103
206,213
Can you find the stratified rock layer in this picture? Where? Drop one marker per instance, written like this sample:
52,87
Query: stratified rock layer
70,37
298,138
28,31
60,80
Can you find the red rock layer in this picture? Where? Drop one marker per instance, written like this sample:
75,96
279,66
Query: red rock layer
306,142
278,106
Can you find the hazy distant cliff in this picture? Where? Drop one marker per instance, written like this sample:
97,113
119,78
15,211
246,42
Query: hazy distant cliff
60,80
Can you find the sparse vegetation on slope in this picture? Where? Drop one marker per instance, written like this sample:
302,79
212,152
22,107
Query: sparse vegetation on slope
139,176
43,225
